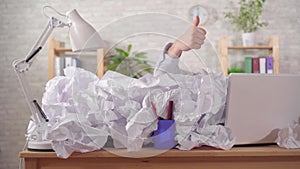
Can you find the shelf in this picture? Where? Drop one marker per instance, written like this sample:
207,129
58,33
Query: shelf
66,50
55,49
63,50
273,48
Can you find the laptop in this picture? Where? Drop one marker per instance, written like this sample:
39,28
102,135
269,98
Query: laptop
258,105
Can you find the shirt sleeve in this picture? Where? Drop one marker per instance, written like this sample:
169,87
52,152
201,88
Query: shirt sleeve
168,64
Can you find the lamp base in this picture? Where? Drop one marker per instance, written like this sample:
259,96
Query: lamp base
44,145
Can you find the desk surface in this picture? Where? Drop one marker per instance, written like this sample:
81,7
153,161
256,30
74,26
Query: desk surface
260,151
238,157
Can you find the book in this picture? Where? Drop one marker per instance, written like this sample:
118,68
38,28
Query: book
68,62
72,61
59,66
262,65
60,63
255,65
269,65
248,65
75,62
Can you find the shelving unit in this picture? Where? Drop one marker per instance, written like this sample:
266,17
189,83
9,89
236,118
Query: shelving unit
55,49
273,48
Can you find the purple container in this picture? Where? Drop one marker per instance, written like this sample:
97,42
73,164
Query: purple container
163,137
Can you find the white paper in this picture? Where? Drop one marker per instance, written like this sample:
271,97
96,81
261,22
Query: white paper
84,110
289,137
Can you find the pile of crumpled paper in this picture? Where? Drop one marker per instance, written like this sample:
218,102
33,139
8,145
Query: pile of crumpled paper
84,110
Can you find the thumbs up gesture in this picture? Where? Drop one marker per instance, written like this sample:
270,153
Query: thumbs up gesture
193,38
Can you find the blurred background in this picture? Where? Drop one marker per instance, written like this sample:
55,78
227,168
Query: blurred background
146,25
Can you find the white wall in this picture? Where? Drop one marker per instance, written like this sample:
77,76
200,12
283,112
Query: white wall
21,22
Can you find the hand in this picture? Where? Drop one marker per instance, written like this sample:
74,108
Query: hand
193,38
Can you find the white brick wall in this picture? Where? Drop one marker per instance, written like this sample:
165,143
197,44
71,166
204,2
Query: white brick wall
21,22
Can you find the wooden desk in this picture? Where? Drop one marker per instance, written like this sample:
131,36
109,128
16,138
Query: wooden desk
238,157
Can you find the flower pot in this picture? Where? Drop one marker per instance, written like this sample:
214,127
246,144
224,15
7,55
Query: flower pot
248,39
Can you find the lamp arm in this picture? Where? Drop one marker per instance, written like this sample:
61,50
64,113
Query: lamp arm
36,115
52,23
21,66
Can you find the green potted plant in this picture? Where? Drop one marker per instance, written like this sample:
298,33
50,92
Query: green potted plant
247,19
133,64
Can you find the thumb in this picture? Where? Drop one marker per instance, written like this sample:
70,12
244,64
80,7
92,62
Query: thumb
197,21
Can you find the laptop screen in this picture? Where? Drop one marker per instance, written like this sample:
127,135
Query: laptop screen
258,105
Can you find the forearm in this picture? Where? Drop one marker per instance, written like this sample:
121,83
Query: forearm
174,51
167,64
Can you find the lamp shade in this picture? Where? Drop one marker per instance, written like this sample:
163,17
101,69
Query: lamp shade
83,36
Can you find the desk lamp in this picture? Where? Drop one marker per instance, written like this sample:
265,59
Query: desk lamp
83,37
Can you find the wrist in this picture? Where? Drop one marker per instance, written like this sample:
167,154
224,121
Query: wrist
174,52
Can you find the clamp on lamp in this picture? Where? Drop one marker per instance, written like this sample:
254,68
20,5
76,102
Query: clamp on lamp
83,37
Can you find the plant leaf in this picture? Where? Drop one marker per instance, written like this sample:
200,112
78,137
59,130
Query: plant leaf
129,48
122,52
112,66
140,55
